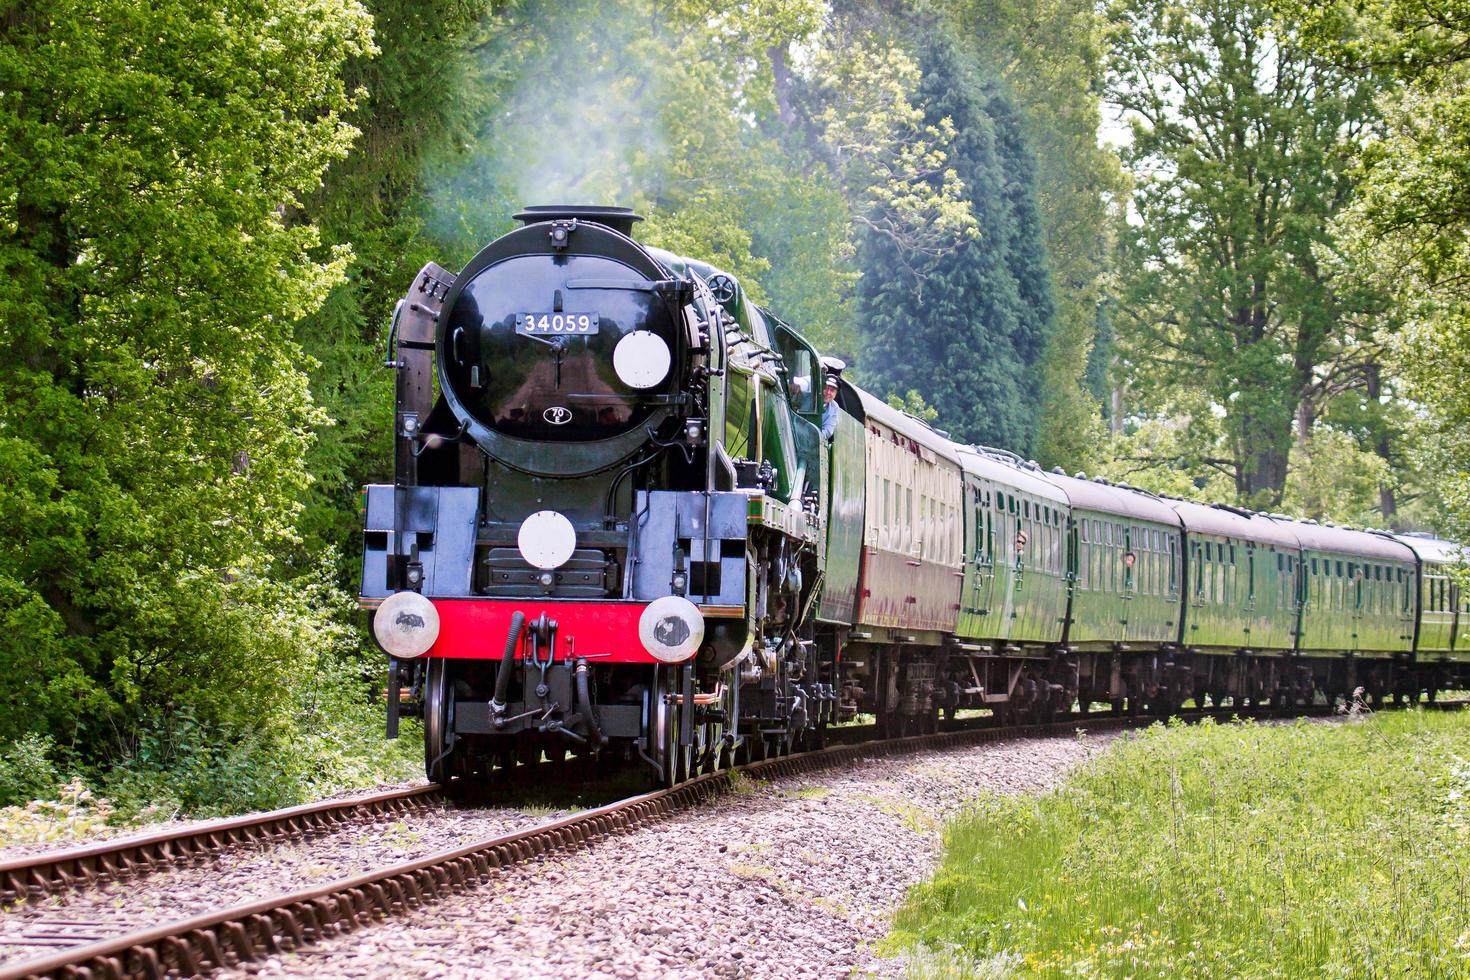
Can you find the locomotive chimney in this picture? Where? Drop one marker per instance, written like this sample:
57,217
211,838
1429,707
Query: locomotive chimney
618,219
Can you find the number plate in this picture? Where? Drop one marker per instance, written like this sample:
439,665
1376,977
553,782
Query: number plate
556,324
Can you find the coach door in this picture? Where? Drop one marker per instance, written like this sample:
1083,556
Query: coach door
980,602
1354,585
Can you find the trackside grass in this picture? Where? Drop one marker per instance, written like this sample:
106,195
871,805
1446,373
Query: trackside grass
1233,850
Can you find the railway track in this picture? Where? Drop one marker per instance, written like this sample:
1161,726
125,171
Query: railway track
38,876
254,930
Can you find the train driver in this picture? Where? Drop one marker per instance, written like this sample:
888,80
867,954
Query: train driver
829,410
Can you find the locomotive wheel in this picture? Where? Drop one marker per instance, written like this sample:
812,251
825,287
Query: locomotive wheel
438,722
665,719
712,748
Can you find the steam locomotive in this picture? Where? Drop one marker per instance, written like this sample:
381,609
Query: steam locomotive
617,529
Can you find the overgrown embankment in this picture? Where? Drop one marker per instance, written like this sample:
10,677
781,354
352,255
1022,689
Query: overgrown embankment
1218,850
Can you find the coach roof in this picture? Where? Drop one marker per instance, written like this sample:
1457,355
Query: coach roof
1430,548
1109,498
906,425
993,466
1347,541
1210,519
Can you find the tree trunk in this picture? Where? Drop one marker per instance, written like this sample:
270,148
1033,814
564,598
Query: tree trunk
781,79
1263,448
1373,383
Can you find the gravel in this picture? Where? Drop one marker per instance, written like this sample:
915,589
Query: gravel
246,874
795,878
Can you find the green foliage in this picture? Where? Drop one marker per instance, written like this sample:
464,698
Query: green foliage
1406,233
27,771
182,767
966,327
1333,479
73,812
913,403
419,93
1242,150
1171,454
1049,55
892,154
155,415
1235,850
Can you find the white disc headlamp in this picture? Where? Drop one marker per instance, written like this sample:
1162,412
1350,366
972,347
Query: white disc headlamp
641,359
547,539
671,628
406,625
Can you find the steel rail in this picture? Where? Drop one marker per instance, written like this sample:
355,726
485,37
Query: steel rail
254,930
36,876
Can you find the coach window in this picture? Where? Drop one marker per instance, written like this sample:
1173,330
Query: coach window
1159,558
1080,561
925,529
991,548
1099,554
1145,562
906,518
884,516
1084,554
895,516
1127,569
1095,557
1173,564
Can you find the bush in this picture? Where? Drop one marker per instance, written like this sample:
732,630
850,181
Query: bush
27,772
184,767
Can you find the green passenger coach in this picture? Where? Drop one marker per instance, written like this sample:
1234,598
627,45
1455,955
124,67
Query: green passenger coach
1123,566
1014,587
1442,605
1356,592
1239,594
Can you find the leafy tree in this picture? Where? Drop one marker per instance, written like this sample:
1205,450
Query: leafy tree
967,327
155,416
891,155
1242,148
421,90
913,403
672,111
1049,56
1407,232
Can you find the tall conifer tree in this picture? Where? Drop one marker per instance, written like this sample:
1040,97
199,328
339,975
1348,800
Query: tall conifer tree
967,327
